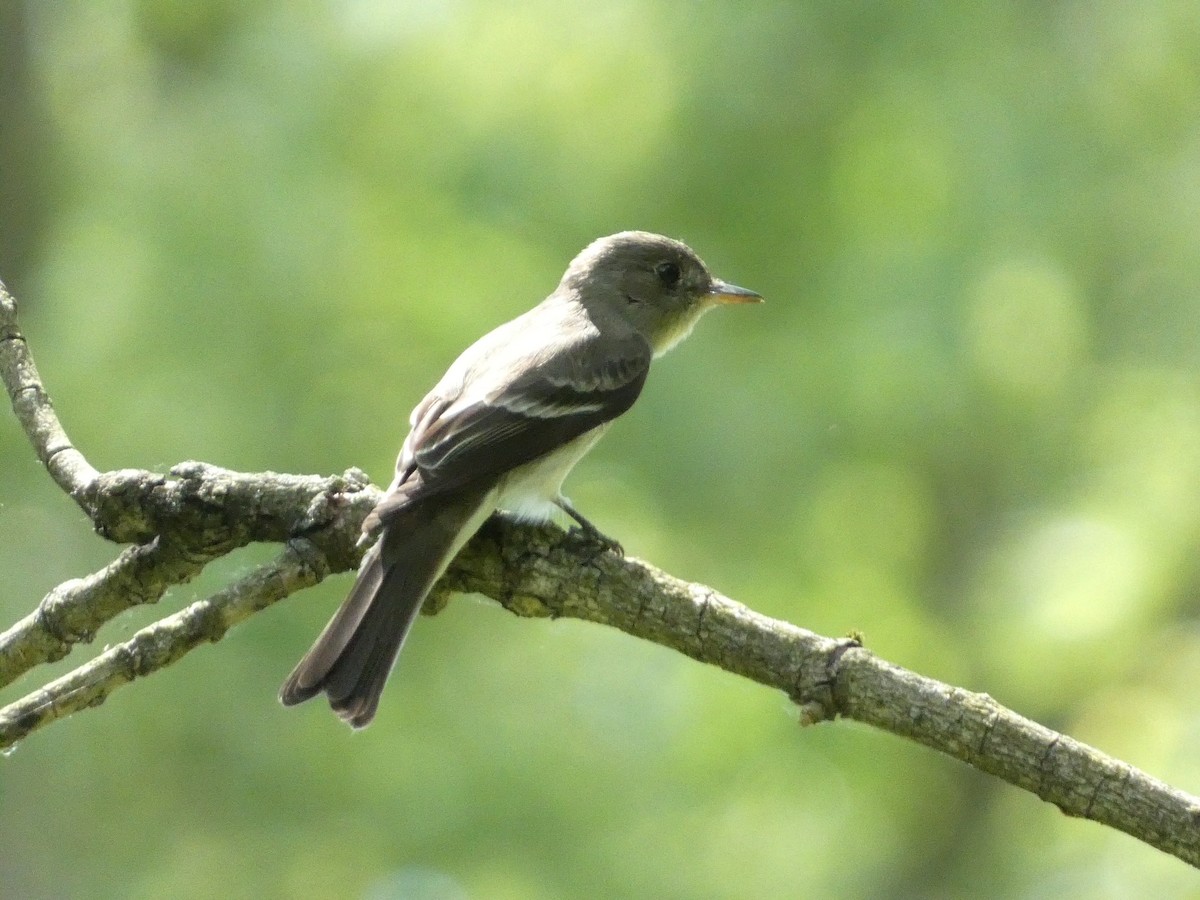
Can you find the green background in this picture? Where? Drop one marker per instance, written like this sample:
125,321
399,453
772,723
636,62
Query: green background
966,423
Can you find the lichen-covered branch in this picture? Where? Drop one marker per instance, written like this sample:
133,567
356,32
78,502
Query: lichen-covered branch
187,519
300,565
533,571
74,610
179,521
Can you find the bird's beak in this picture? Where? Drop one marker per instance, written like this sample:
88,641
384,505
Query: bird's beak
724,292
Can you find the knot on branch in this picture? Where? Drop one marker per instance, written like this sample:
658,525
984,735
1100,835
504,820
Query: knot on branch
819,699
117,500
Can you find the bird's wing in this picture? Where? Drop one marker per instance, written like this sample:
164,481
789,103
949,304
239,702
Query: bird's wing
456,441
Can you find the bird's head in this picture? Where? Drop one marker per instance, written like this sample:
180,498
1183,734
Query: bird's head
659,285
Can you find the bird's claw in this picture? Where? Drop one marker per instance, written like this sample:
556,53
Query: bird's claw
602,542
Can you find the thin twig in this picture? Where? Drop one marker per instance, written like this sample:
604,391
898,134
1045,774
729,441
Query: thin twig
67,466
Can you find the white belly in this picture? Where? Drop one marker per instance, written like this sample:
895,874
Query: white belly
529,491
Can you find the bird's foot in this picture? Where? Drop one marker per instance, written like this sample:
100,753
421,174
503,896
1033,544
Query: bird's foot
593,537
586,531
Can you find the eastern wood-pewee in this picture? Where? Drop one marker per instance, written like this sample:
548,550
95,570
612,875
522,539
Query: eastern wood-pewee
501,430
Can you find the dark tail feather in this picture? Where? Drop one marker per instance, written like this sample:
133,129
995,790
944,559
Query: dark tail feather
313,671
352,658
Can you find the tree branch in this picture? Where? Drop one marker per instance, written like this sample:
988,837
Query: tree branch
181,521
300,565
196,515
35,412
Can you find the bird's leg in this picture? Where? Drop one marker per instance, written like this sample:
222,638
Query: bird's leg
589,531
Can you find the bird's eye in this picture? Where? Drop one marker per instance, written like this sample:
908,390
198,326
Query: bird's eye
668,273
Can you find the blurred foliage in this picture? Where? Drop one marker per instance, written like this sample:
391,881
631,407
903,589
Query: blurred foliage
967,422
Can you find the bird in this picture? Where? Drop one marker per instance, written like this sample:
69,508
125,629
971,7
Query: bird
501,430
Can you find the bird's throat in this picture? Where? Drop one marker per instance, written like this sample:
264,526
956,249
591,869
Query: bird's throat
674,329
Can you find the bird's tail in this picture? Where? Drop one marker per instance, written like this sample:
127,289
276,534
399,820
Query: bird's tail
352,658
